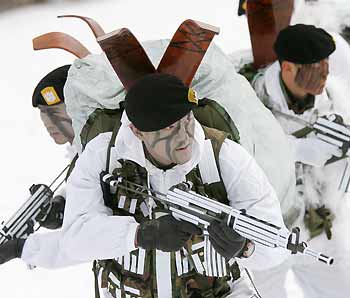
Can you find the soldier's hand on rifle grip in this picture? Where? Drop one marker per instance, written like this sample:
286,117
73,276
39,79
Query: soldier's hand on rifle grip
11,249
228,242
165,233
52,217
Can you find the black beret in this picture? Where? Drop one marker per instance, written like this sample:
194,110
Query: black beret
303,44
157,101
49,90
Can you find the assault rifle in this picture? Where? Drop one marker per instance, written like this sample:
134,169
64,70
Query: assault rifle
25,220
187,205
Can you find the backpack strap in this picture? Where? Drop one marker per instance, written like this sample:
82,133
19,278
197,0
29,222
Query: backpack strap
107,197
111,144
209,167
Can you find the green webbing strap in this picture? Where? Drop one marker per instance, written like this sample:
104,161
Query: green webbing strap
301,133
111,144
95,271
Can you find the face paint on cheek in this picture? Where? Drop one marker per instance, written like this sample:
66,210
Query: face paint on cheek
173,140
170,144
155,148
186,140
63,124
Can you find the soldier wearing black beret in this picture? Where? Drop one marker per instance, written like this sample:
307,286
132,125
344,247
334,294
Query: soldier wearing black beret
303,52
298,90
296,85
49,98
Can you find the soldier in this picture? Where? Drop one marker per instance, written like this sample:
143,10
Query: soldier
48,97
298,90
160,143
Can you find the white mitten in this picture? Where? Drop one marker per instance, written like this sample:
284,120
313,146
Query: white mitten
314,151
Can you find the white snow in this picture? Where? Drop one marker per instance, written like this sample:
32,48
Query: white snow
28,155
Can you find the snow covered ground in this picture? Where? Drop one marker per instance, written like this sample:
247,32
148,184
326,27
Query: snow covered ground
28,155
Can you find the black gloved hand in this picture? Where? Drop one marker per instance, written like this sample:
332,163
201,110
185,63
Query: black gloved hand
165,233
54,219
11,249
225,240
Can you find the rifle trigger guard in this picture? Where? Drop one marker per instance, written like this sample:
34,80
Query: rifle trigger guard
293,241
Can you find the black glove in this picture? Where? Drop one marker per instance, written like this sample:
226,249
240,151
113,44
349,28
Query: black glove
54,219
225,240
11,249
165,233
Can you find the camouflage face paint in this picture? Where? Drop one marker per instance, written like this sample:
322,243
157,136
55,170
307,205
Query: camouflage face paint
57,123
312,77
172,144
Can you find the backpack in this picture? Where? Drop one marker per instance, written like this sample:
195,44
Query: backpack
209,113
92,84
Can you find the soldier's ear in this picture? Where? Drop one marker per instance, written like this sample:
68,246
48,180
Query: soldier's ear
287,67
138,133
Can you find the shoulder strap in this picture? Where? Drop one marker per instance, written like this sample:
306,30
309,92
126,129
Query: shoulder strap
214,187
111,144
216,138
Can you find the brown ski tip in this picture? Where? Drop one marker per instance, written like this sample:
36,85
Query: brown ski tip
204,26
126,55
60,40
187,48
94,26
266,18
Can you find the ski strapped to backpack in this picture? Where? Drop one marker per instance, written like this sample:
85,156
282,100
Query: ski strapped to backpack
187,47
94,26
266,18
126,55
60,40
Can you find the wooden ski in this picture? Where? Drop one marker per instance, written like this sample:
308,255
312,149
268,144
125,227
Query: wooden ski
126,55
187,49
182,57
94,26
266,18
60,40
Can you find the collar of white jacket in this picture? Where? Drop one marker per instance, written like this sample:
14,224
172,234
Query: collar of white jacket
128,146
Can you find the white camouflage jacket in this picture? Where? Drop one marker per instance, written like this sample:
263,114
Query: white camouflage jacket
91,232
